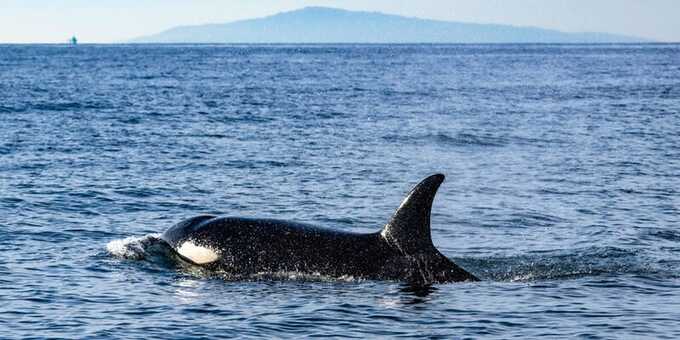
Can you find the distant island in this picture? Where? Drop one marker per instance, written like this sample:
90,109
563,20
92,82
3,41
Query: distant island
332,25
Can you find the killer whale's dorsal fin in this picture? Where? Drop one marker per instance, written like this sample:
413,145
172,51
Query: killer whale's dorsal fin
409,227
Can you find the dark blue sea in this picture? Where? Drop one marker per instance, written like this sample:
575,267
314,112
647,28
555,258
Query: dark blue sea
562,191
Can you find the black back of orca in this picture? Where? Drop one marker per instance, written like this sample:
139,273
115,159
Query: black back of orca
402,250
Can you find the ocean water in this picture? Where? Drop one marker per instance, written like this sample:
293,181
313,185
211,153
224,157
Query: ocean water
562,190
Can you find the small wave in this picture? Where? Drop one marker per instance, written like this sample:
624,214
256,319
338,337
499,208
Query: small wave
56,106
570,264
71,105
663,234
468,139
531,219
10,109
472,139
458,140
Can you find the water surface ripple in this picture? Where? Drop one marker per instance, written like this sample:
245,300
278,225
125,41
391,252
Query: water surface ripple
562,190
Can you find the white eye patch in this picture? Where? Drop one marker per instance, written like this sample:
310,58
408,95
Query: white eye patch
197,254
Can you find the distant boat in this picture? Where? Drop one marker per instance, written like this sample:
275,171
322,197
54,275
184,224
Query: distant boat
73,40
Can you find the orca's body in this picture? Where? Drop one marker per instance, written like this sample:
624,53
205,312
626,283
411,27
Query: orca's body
402,250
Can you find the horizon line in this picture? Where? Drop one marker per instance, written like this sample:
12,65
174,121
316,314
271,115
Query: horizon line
344,43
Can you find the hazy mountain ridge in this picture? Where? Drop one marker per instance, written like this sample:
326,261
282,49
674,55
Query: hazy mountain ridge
331,25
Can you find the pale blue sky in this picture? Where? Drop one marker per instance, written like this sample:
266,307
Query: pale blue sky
118,20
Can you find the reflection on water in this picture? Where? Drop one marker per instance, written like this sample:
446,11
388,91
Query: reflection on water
186,290
417,293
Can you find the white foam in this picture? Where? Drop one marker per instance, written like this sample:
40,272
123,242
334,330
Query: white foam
197,254
132,247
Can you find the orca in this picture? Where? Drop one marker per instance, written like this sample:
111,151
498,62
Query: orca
401,251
